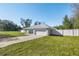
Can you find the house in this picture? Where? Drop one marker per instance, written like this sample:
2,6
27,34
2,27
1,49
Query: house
44,29
41,29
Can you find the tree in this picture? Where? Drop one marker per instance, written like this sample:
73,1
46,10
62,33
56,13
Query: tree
26,22
76,15
37,23
72,24
59,27
22,22
7,25
66,22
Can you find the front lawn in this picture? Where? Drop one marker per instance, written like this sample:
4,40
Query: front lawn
45,46
10,33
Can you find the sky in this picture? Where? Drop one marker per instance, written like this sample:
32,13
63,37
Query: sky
49,13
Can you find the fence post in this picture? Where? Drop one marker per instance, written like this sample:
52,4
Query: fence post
62,33
73,31
78,32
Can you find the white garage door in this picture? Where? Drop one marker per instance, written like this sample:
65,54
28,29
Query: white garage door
42,32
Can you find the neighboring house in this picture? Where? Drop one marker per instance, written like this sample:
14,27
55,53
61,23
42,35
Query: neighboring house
41,29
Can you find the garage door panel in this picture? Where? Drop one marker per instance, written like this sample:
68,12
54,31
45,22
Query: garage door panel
41,32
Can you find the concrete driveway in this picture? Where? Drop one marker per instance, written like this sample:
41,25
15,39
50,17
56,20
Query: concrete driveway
8,41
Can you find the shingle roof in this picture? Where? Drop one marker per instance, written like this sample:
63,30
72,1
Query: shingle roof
38,26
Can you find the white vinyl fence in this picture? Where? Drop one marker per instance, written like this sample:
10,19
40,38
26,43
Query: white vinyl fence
69,32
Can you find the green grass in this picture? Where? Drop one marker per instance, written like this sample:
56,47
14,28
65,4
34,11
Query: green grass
45,46
10,33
